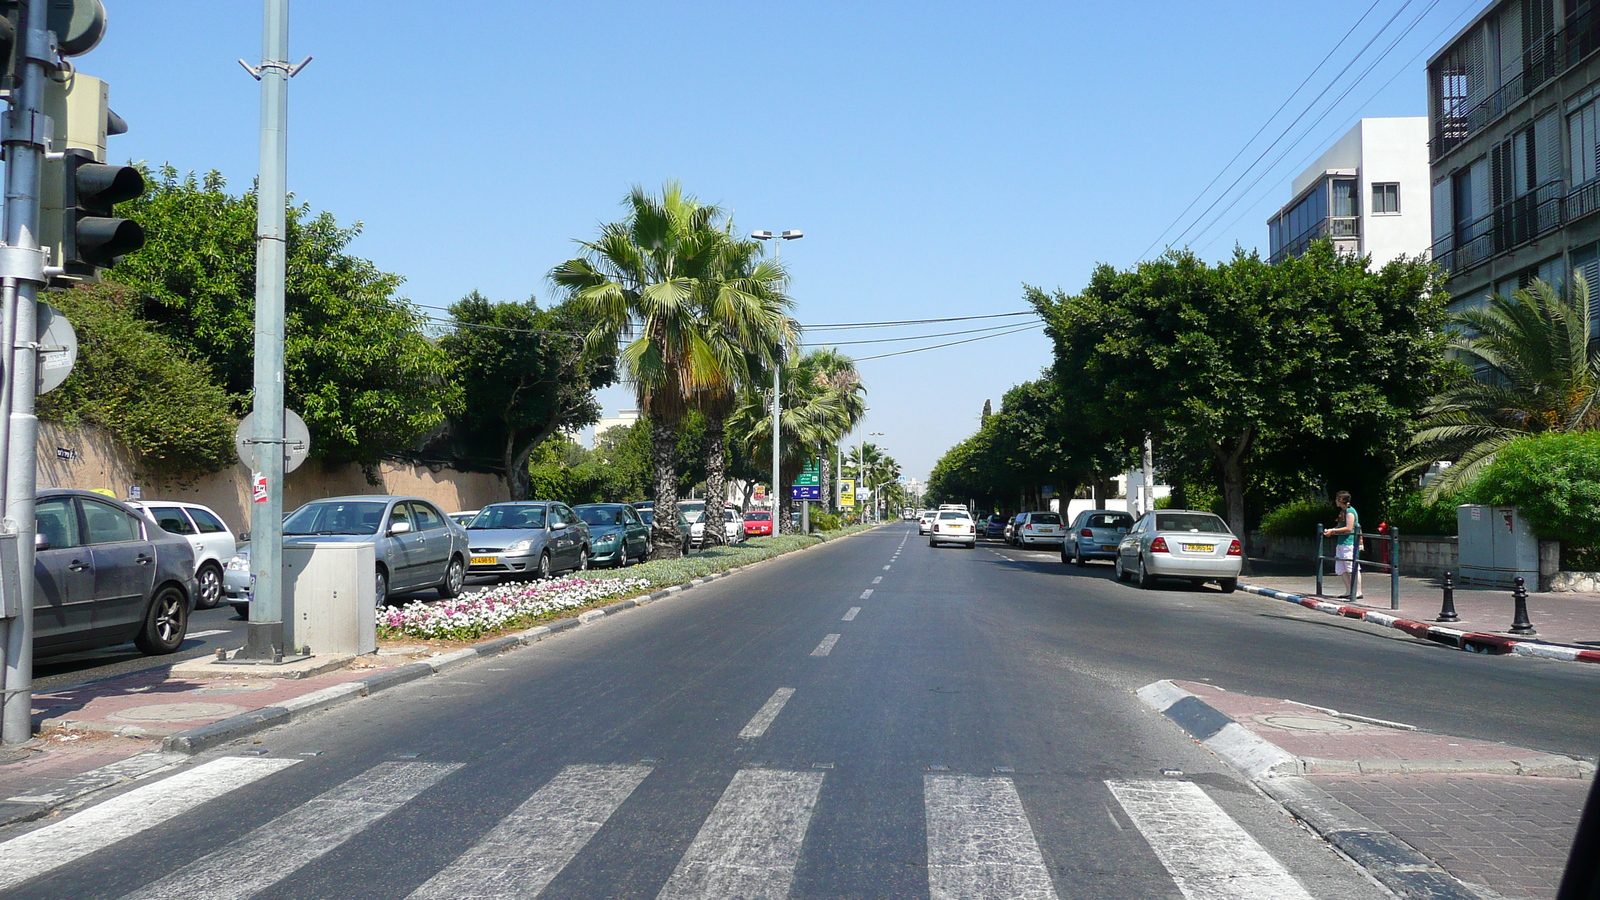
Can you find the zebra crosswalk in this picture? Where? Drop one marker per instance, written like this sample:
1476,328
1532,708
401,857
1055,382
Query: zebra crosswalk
980,841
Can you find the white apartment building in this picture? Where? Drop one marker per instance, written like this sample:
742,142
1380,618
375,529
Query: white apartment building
1369,194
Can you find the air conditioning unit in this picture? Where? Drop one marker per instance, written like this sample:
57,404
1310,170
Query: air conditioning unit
330,598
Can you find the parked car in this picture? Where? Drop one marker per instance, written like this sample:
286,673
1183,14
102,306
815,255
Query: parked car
105,574
953,526
208,536
758,522
1010,533
1180,543
1094,534
464,517
416,547
993,527
925,523
522,538
1035,528
732,527
617,533
647,512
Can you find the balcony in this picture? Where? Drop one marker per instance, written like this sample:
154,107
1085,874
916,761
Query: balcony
1546,58
1344,231
1513,224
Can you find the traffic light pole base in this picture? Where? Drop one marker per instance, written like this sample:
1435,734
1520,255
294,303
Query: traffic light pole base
263,644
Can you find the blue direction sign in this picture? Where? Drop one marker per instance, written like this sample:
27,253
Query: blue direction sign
805,492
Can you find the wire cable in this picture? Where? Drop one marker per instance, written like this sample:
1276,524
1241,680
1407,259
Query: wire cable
1036,325
915,337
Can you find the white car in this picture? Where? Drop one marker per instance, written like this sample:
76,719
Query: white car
1038,528
733,526
1180,543
926,522
207,534
953,527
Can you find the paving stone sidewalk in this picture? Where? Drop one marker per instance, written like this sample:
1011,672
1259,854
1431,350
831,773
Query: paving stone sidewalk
1497,817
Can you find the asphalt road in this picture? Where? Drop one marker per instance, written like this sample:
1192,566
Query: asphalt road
967,730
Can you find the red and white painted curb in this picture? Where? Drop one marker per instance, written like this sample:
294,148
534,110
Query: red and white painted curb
1474,641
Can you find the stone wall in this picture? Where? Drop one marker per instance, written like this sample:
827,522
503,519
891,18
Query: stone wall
1426,555
90,459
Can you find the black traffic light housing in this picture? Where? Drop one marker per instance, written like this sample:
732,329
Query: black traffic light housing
91,235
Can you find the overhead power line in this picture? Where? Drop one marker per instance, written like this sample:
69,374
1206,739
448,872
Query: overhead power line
986,337
914,337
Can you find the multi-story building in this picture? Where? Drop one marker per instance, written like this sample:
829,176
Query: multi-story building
1514,115
1366,194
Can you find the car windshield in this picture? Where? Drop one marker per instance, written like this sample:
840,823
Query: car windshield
337,517
1109,520
599,515
510,515
1190,522
758,517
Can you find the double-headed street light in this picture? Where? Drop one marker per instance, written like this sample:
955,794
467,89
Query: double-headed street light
777,371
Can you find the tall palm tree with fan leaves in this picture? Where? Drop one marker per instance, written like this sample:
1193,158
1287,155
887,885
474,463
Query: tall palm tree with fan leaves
1537,371
642,281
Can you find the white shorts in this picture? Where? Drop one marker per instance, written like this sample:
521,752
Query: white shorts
1343,553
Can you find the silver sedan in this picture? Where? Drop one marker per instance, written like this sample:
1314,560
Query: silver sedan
1180,543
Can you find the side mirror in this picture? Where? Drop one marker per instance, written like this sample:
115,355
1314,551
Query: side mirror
557,526
40,542
400,528
244,535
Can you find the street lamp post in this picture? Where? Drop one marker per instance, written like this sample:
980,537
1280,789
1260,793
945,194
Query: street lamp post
777,374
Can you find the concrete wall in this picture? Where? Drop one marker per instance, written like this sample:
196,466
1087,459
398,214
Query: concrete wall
1422,555
1396,149
97,461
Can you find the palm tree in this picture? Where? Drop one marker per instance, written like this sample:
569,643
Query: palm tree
812,417
640,281
1538,371
744,315
837,374
869,462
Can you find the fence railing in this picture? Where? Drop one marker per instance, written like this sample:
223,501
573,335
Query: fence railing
1389,542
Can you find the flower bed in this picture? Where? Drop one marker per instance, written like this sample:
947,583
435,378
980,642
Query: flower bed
500,608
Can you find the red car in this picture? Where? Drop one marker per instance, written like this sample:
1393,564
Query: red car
756,523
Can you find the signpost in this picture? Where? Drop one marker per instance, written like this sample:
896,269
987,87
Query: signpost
847,493
807,487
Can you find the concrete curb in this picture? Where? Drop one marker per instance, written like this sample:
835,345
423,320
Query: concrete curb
204,737
1472,641
1393,862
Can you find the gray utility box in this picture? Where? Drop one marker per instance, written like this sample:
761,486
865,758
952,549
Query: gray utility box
1496,545
330,598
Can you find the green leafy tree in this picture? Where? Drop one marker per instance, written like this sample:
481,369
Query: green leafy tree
813,416
1539,372
146,389
1318,352
358,366
527,377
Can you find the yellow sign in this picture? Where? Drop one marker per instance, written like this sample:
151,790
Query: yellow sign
847,493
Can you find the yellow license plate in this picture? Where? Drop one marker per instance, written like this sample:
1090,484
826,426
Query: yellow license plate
1200,548
485,560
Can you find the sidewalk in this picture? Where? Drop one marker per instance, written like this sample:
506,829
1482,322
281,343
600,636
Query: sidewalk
1429,815
1567,624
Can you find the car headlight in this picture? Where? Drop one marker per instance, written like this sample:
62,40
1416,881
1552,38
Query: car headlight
605,540
520,547
239,564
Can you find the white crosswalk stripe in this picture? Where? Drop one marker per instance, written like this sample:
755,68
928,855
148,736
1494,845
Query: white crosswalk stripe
750,844
272,852
980,843
122,817
1204,850
531,846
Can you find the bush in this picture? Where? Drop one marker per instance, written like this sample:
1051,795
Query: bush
822,521
1555,480
1296,518
1412,515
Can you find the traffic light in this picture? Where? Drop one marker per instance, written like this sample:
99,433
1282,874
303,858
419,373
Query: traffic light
91,236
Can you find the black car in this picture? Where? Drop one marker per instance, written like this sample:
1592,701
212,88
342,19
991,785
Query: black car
103,574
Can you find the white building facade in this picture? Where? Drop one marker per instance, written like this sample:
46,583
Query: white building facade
1368,194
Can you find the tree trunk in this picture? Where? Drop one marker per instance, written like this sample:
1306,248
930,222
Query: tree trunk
786,475
1231,460
664,531
828,486
715,533
518,482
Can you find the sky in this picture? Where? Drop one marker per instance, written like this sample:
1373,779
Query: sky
938,156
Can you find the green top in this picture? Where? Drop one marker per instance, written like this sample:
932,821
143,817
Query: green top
1346,540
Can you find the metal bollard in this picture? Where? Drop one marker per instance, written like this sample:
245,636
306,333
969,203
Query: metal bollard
1447,613
1520,624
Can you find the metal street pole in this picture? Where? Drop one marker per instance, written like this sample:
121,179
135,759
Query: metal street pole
777,383
22,271
265,639
874,494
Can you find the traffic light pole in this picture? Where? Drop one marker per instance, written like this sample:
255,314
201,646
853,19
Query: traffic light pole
264,641
21,275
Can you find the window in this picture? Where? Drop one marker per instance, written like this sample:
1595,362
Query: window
104,524
172,519
1190,522
399,514
56,522
427,517
209,524
1385,198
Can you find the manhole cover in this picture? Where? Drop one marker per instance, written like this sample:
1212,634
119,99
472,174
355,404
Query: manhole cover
1306,723
177,712
235,688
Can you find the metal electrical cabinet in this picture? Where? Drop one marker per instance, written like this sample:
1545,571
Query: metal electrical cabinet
1497,545
330,598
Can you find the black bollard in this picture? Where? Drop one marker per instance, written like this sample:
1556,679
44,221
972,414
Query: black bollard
1447,613
1520,625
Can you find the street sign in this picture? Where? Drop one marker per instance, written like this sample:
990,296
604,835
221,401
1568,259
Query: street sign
805,492
760,492
58,348
900,479
809,479
847,493
296,440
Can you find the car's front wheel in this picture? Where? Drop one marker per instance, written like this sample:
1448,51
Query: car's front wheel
380,586
208,587
583,560
544,565
165,624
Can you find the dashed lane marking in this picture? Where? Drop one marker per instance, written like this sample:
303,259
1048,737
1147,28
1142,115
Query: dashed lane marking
877,579
762,720
866,593
851,615
826,647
